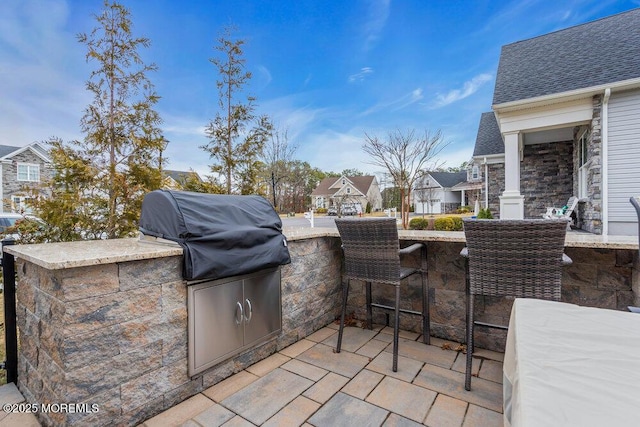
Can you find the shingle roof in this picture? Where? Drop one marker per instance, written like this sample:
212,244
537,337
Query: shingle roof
448,179
323,186
7,149
591,54
179,176
361,183
489,139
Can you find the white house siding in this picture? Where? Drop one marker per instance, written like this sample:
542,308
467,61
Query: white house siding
623,161
438,195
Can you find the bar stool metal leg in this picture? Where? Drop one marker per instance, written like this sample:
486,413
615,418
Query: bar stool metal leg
345,294
470,324
396,329
426,324
369,308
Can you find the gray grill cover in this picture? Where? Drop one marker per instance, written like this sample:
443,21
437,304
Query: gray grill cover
221,235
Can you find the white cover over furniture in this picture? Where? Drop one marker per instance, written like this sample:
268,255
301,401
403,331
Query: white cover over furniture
567,365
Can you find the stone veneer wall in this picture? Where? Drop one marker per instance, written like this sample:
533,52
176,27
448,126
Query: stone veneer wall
115,335
591,209
496,187
10,184
546,176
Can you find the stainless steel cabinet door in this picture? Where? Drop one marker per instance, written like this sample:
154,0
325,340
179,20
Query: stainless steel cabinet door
262,308
218,314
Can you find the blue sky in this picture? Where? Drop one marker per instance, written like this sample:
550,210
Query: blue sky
327,71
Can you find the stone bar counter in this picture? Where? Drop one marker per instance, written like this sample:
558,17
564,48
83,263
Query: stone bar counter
105,322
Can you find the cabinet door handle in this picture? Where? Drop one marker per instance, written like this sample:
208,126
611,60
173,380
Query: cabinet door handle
248,318
239,313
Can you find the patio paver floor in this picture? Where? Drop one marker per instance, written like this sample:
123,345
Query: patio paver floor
309,384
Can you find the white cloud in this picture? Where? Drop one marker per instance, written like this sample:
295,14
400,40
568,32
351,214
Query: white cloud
361,75
264,75
408,99
307,80
288,114
397,104
469,88
376,19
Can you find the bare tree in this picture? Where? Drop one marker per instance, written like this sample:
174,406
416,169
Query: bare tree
278,155
406,156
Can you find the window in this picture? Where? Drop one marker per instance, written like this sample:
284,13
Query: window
583,160
584,147
475,174
348,190
20,204
344,181
28,172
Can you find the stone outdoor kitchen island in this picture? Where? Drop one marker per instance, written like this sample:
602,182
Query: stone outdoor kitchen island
105,322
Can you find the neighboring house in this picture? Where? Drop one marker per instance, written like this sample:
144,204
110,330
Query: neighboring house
566,121
174,180
22,168
356,191
434,193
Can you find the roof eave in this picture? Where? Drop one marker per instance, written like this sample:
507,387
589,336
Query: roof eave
571,95
489,158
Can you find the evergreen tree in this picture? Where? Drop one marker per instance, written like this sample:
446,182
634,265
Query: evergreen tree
99,183
236,135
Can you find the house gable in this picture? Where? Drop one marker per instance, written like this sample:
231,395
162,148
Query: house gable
339,183
8,152
22,167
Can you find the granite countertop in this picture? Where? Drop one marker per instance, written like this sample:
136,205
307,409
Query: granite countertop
56,256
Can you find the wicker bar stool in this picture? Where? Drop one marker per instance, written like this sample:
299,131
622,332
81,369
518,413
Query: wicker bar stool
372,254
518,258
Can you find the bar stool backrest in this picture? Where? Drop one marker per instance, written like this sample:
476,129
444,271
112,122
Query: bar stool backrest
519,258
371,249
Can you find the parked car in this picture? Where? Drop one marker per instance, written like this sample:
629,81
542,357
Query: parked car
8,220
332,212
349,210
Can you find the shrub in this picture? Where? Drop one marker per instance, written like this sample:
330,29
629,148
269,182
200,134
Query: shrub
485,214
444,224
448,223
457,221
464,209
418,224
321,210
368,208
